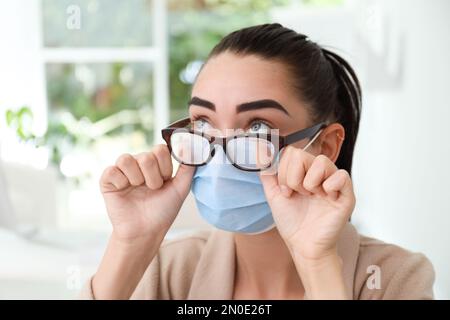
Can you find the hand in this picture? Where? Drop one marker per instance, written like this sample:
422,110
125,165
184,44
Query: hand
311,201
141,196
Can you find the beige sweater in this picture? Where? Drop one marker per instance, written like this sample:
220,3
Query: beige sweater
202,265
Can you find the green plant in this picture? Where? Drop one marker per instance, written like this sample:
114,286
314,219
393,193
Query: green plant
20,121
65,133
57,136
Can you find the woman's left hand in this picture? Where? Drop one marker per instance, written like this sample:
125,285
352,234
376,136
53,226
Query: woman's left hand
311,201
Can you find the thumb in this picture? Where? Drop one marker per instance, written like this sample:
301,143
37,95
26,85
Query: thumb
269,181
183,179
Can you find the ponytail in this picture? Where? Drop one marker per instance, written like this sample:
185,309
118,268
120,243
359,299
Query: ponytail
347,108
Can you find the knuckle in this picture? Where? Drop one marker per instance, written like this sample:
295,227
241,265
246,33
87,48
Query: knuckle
322,159
344,173
346,176
162,157
125,160
109,172
291,150
289,183
299,156
308,183
285,152
160,149
154,183
148,160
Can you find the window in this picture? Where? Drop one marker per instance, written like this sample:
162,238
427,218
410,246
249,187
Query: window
113,59
106,86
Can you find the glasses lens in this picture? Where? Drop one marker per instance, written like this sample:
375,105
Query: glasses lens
189,148
251,152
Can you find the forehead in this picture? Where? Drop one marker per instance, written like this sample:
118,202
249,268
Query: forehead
231,78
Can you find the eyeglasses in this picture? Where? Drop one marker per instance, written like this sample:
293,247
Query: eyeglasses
246,151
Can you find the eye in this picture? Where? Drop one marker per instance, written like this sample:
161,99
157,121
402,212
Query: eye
258,126
201,124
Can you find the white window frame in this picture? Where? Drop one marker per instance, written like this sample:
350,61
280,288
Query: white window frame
157,55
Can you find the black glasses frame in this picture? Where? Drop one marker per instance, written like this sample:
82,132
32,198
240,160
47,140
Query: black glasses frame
282,141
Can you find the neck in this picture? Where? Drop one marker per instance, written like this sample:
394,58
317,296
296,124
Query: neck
264,264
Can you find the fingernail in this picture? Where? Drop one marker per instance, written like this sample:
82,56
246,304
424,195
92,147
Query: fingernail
285,191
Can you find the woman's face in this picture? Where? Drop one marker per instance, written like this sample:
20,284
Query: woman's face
255,94
227,85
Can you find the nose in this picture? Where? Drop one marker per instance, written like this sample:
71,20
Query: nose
218,155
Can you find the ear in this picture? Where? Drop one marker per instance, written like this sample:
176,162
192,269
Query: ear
331,140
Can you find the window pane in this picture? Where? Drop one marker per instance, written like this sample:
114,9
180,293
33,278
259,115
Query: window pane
92,92
102,23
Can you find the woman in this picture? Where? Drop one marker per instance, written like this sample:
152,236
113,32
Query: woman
280,201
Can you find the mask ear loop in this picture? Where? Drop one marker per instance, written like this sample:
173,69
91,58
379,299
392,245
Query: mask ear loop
313,139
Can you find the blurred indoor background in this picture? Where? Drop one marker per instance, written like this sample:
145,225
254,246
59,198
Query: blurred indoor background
83,81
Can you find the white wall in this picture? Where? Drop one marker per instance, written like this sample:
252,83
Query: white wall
401,51
21,73
402,162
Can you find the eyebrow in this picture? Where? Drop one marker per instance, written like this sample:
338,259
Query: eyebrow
246,106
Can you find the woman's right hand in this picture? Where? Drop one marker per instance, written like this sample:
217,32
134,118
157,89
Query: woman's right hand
141,196
142,199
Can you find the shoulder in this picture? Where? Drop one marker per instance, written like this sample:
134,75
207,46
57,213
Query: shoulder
388,271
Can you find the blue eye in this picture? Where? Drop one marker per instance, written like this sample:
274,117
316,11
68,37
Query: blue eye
201,125
258,127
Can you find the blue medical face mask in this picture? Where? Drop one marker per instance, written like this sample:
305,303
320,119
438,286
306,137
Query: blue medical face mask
231,199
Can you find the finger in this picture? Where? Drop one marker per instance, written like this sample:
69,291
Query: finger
270,184
162,155
321,168
339,183
299,163
185,172
113,179
128,165
183,179
150,170
283,171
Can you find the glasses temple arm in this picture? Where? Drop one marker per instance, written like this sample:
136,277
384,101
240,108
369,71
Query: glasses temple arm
306,133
